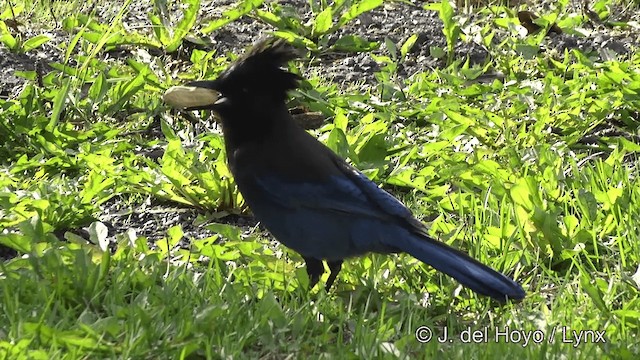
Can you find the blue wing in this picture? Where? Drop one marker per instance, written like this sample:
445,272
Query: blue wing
350,193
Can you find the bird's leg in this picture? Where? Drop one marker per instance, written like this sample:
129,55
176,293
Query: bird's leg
334,267
315,269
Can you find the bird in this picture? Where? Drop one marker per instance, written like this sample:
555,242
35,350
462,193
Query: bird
309,198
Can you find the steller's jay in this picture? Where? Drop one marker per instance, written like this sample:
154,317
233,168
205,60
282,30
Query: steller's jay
310,199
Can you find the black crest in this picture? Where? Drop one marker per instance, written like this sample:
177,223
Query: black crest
263,69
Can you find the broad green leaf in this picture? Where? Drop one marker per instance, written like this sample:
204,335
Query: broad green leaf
35,42
270,309
594,293
6,38
354,43
12,10
175,234
126,92
270,18
145,70
357,9
99,88
161,32
337,142
392,48
628,145
632,314
230,232
95,186
374,151
189,17
521,194
340,121
323,22
437,52
408,45
9,41
296,40
17,242
233,14
571,223
446,13
527,51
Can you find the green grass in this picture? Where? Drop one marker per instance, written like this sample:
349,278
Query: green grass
535,175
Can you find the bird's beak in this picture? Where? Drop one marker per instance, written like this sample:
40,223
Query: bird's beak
192,96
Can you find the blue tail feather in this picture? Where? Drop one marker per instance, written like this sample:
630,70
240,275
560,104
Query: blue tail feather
468,271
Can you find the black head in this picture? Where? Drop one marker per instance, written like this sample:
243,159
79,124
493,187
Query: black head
257,79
